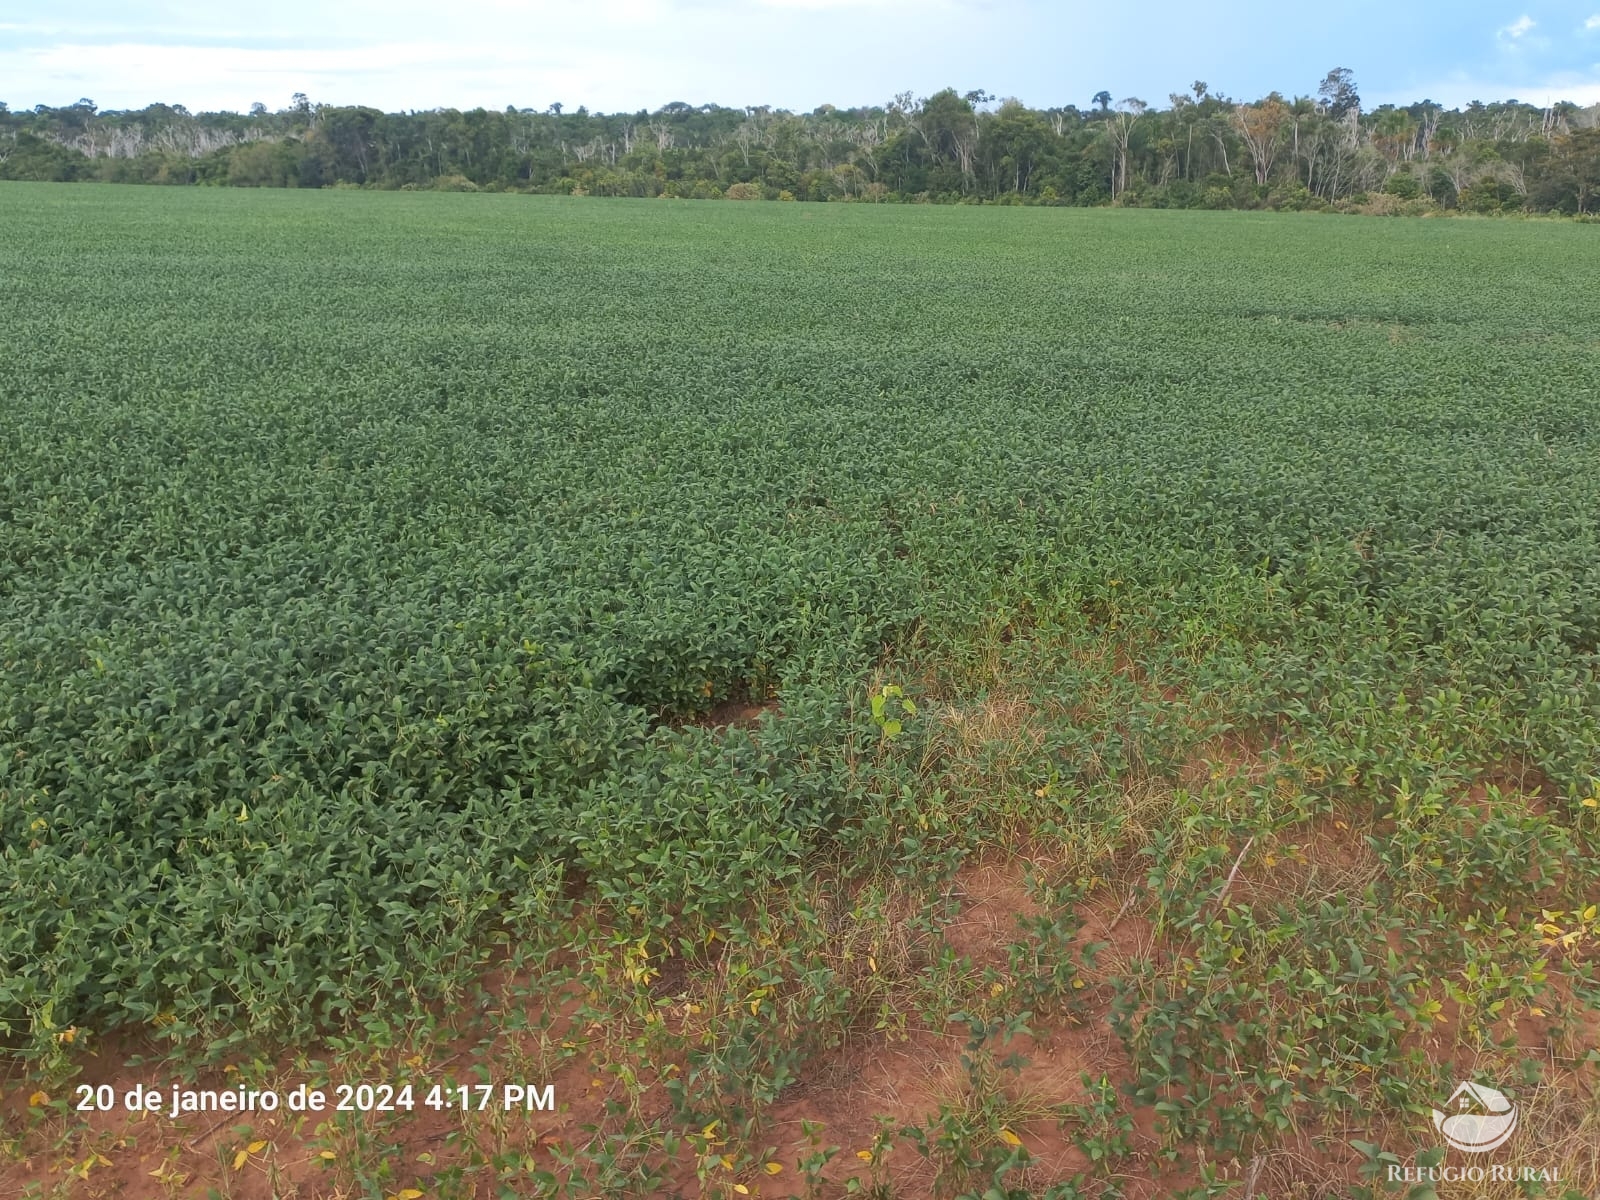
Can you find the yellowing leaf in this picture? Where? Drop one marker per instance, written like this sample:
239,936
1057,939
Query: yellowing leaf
1591,802
327,1155
1010,1138
38,1100
244,814
741,1189
773,1168
240,1159
409,1194
256,1147
864,1155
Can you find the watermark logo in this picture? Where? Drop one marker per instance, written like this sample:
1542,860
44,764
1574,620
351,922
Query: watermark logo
1482,1121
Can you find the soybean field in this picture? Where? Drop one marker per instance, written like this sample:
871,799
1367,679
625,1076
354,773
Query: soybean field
961,701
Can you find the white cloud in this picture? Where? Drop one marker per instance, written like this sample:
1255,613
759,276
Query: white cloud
394,75
1593,22
613,55
1519,27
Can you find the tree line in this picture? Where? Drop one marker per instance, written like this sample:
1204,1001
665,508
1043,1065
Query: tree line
1202,150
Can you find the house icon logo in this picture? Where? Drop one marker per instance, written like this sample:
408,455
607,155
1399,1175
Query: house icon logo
1482,1119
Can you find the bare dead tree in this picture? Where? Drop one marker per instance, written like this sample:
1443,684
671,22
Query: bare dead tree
1427,132
1119,128
746,136
1514,176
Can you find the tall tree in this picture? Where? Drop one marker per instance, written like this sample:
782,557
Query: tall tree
1119,128
1338,92
1578,154
1259,128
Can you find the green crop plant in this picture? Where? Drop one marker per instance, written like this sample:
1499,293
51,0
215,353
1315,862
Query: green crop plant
459,628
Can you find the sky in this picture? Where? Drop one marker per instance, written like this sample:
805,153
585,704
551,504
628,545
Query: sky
624,55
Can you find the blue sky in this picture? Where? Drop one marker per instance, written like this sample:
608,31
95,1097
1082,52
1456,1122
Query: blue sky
629,54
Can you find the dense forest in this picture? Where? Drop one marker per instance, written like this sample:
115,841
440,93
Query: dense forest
1204,150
